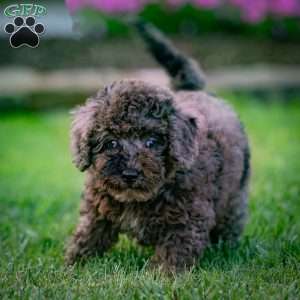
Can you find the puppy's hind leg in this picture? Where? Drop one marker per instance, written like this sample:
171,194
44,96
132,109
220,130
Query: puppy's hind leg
231,219
231,225
93,235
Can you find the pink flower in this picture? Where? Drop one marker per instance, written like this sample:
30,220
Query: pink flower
74,5
285,7
251,10
112,6
255,11
109,6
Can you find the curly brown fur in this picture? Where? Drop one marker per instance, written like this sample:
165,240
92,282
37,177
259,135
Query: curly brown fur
170,170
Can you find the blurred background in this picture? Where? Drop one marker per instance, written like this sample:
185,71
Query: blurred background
242,45
250,51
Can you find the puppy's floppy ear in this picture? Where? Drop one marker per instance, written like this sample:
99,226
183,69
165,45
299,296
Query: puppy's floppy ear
184,139
82,125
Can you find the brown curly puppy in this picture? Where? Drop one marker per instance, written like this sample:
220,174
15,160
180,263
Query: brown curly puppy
169,169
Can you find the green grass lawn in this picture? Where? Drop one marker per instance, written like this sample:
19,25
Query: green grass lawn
39,199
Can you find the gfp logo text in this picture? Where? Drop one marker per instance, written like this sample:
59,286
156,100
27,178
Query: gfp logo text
24,10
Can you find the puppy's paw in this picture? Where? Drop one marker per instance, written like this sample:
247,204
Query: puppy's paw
156,264
72,255
70,259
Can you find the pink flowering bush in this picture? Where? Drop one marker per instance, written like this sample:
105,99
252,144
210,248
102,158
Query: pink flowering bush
252,11
256,10
108,6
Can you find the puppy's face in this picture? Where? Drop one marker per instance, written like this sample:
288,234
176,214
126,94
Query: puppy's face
131,165
125,138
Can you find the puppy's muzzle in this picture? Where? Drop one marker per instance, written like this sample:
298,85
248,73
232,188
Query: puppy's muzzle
130,175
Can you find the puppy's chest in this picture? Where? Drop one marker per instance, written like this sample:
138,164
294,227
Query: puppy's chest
140,224
130,219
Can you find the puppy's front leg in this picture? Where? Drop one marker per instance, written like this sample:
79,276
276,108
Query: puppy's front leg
179,249
94,235
185,236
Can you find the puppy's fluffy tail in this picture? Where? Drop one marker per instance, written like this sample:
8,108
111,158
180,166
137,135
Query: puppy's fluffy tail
186,74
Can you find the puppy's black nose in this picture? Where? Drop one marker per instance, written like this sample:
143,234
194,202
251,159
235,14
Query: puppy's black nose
130,174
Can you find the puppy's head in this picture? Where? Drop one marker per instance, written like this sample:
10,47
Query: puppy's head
131,138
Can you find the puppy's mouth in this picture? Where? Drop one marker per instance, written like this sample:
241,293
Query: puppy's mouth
130,191
132,195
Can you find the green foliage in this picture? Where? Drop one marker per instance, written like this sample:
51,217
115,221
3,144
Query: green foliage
39,199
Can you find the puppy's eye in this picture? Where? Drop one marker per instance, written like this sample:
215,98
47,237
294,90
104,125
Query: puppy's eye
111,145
151,142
